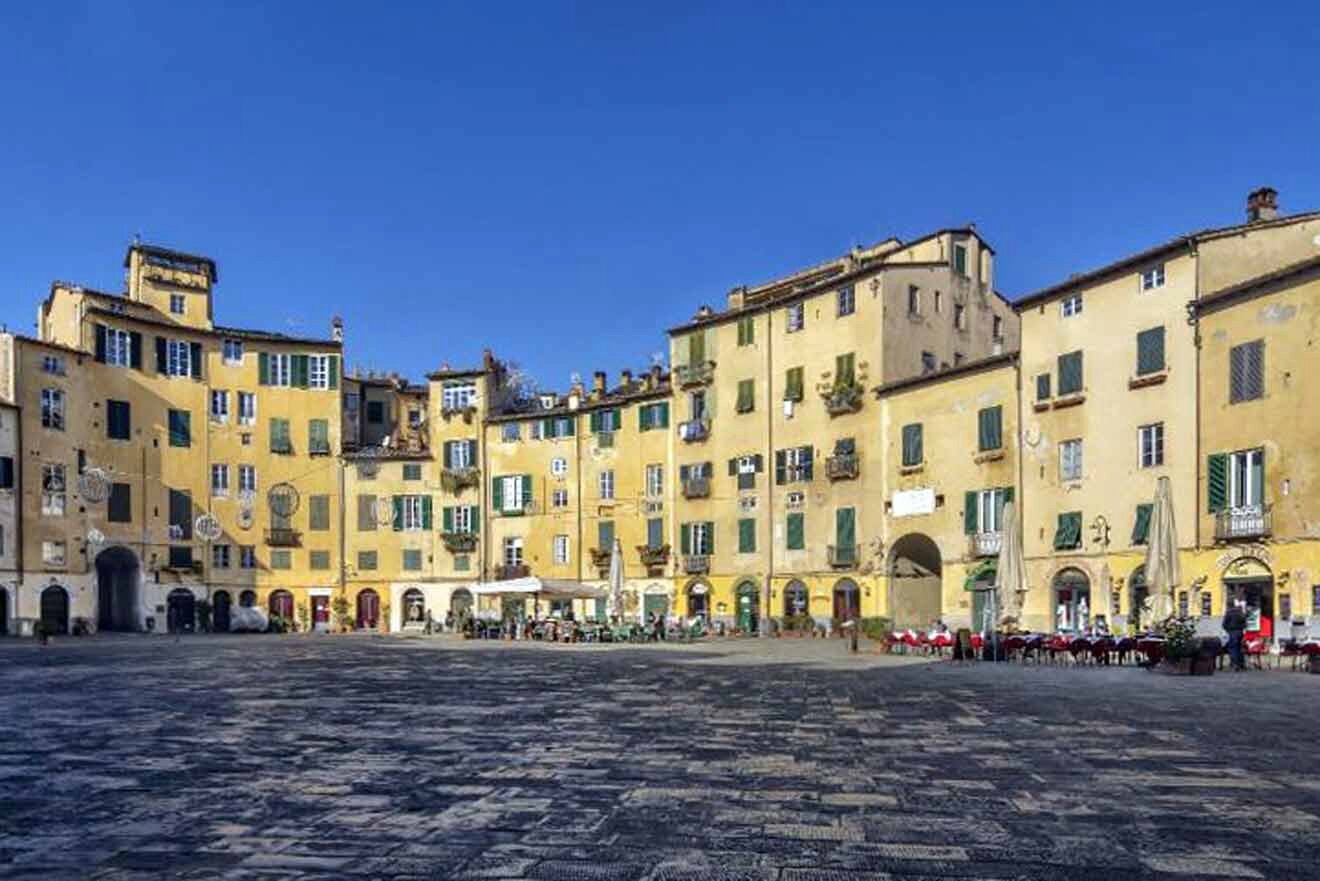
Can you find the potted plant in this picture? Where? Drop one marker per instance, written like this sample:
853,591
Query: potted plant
340,607
1186,654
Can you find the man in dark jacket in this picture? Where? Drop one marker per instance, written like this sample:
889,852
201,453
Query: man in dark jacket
1235,622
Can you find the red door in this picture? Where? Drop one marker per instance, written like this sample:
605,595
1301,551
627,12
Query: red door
368,610
321,611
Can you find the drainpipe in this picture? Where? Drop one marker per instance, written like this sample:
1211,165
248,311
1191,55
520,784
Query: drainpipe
1193,319
769,479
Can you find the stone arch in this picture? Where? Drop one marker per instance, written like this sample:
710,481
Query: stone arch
55,610
916,569
118,590
847,600
747,605
221,604
656,598
281,605
181,611
461,601
1250,580
247,599
697,593
367,610
797,599
1071,603
413,606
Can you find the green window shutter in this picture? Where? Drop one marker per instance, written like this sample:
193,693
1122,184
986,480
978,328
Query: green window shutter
1217,481
796,532
100,343
474,517
162,355
685,538
263,368
180,428
970,512
1150,351
195,359
663,411
644,418
746,536
655,532
912,446
332,370
990,428
1070,373
472,453
845,527
135,350
710,538
697,347
594,421
526,489
844,374
426,513
1141,529
1008,494
605,534
781,467
497,493
301,370
318,435
398,513
1068,535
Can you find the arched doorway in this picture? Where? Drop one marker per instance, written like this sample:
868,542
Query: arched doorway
981,584
117,577
220,605
368,609
847,601
281,606
1072,600
181,611
248,599
748,595
4,612
915,587
460,603
796,599
698,600
655,601
1250,583
1138,600
55,611
414,607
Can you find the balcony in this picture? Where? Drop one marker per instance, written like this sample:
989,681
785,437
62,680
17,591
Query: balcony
526,508
984,544
696,564
843,467
455,480
600,558
694,430
696,488
460,542
653,558
690,375
1250,521
510,571
843,556
843,399
283,538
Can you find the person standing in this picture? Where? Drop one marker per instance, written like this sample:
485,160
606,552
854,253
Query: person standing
1234,624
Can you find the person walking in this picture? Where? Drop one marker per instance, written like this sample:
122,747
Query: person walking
1234,624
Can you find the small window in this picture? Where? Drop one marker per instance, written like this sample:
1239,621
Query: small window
219,406
52,490
178,358
559,498
847,301
1043,387
412,560
233,351
318,560
990,429
247,408
746,395
606,483
939,302
960,260
219,481
561,549
1070,459
219,556
1153,278
913,453
247,557
509,432
279,559
1150,351
247,478
177,304
458,395
414,417
52,364
1071,305
559,466
655,481
1246,372
412,471
1070,373
746,330
1150,445
180,428
796,317
914,300
998,323
118,420
52,409
367,561
928,362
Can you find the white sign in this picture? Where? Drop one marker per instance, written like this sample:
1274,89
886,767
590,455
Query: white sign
911,502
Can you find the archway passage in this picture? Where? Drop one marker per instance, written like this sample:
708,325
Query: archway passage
698,600
4,612
915,587
281,605
117,577
181,611
655,601
847,601
414,606
220,606
1072,600
368,609
55,611
749,606
248,599
460,602
795,599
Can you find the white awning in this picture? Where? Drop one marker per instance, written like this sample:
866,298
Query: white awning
558,588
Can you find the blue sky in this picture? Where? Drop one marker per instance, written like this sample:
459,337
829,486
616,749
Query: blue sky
563,182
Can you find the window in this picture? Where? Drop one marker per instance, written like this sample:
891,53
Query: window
561,549
651,416
1070,373
52,490
513,551
847,301
655,532
746,395
1150,445
558,466
536,430
697,405
375,412
180,515
509,432
793,464
410,512
563,427
461,519
512,493
913,453
118,420
52,409
960,260
1153,278
318,513
998,327
367,561
247,557
697,538
458,395
247,408
746,330
559,498
990,429
460,455
177,304
52,553
796,532
1068,533
366,513
232,351
793,384
247,478
655,481
745,468
318,437
1246,372
1141,525
606,421
119,507
983,510
219,480
939,302
927,362
1150,351
318,560
219,406
180,428
747,535
1246,479
52,364
279,368
412,560
281,440
178,358
1070,459
1071,305
219,556
414,418
959,316
845,373
606,481
118,347
796,317
1042,387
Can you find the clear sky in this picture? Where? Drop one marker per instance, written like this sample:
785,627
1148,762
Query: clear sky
563,182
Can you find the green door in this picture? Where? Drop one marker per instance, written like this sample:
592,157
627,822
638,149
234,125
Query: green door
748,608
656,603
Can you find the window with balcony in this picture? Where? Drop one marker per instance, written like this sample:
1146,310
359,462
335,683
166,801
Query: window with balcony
983,519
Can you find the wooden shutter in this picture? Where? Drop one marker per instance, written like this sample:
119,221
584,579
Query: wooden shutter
796,532
685,538
332,370
447,519
781,467
970,512
593,421
195,359
1150,351
746,536
662,410
162,355
1070,373
526,490
644,418
6,472
1216,481
912,451
426,513
844,374
497,493
100,343
1008,495
301,369
263,368
845,527
697,347
472,453
733,467
474,517
120,507
366,513
683,472
135,350
990,429
806,456
1141,528
398,513
710,538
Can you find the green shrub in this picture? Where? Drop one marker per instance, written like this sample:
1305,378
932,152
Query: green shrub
877,628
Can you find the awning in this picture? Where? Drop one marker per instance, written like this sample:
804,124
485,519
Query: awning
981,573
556,588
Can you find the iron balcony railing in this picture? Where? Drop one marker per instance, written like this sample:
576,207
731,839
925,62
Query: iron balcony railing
845,466
455,480
843,399
283,538
1248,521
696,564
700,373
696,488
694,430
512,570
843,556
460,542
653,557
600,558
985,544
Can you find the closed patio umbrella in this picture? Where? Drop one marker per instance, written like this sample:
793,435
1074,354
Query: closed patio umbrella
1163,574
616,578
1011,570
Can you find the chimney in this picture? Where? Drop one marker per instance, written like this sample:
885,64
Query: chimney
653,378
737,298
597,383
625,378
1262,204
487,359
337,329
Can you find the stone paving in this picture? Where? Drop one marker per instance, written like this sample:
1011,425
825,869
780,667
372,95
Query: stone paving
372,757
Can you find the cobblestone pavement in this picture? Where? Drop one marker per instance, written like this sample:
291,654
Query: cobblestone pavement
353,758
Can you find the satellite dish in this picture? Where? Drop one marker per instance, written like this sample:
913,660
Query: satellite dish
207,527
94,485
283,499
